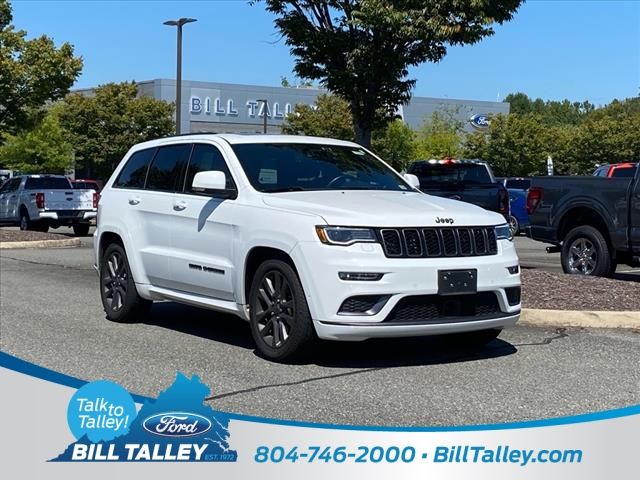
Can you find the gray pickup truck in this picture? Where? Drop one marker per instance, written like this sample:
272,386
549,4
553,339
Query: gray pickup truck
593,221
37,202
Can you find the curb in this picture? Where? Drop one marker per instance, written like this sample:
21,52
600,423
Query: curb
571,318
69,242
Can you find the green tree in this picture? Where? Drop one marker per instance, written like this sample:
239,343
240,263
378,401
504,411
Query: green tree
551,112
396,144
42,149
513,145
329,117
362,50
32,73
441,136
103,126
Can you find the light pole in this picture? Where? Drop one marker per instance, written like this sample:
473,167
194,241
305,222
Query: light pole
265,109
179,23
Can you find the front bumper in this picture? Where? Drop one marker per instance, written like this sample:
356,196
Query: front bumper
355,332
318,266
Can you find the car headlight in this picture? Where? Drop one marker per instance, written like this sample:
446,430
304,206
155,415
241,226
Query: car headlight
345,235
503,232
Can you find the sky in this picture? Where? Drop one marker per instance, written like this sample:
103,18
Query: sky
580,50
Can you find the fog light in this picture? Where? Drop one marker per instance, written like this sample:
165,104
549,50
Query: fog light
513,270
360,276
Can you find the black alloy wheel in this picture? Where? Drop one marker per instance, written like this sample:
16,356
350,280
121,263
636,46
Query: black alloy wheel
118,292
280,321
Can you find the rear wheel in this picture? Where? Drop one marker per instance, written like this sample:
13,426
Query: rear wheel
118,292
25,222
281,324
81,229
586,252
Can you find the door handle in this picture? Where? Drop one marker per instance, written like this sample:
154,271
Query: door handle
180,205
134,200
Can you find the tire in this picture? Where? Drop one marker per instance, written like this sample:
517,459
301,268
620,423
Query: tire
118,293
81,229
25,221
477,339
280,321
514,225
586,252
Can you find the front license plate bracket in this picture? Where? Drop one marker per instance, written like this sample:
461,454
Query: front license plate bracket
457,282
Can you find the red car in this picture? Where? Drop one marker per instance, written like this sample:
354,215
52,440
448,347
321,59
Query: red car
618,170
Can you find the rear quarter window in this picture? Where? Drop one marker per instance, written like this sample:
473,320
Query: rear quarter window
134,172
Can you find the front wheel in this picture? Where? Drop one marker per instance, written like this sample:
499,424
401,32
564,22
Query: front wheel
280,321
118,292
514,225
586,252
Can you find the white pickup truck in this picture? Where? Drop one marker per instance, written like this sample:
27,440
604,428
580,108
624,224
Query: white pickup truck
37,202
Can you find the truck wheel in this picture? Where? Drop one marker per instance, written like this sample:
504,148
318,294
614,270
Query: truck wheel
25,222
585,252
118,292
514,225
81,229
280,321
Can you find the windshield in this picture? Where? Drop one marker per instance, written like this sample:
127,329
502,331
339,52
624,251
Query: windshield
431,174
286,167
47,183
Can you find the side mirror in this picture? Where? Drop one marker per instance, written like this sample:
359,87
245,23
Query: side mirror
412,180
214,183
209,180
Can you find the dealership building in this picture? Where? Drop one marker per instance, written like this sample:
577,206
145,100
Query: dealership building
231,108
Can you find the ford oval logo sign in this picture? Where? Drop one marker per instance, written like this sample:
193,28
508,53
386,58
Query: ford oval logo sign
176,424
480,120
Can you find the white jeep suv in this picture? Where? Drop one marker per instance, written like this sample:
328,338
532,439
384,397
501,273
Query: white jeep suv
304,238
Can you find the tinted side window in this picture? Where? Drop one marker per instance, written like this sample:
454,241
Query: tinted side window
11,185
135,171
203,158
167,168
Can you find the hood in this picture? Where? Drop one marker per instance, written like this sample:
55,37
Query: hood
383,208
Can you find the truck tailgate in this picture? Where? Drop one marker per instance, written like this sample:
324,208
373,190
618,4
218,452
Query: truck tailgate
68,199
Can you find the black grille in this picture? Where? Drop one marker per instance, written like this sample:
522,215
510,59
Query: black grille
442,309
413,242
438,242
513,295
392,243
359,304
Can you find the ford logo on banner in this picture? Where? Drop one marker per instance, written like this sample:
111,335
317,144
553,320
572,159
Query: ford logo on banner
176,424
480,120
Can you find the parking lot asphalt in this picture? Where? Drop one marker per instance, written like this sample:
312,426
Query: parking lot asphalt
50,314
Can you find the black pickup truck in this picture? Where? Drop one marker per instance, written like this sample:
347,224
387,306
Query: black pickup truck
593,221
469,181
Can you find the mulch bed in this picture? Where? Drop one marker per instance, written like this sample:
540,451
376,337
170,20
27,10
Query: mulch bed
28,236
557,291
